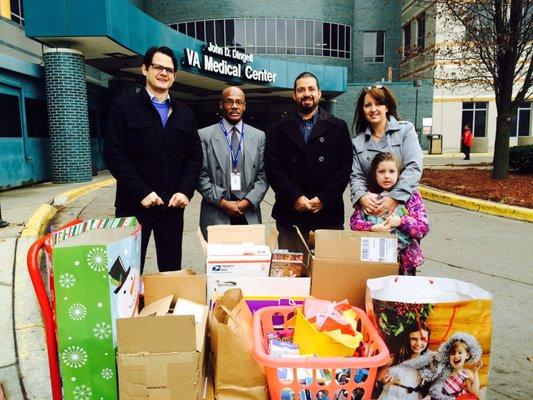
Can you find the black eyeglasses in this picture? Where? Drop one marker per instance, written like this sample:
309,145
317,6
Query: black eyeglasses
373,87
229,102
160,68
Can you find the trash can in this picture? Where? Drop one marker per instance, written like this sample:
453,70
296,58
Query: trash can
435,144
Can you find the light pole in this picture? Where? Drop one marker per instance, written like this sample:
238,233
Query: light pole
417,83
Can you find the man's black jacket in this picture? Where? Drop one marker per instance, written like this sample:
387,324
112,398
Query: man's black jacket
144,157
320,168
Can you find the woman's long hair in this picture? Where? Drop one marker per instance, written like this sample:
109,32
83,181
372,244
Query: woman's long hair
382,95
405,352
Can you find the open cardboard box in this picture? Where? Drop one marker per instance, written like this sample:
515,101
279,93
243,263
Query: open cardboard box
256,289
185,283
343,261
163,356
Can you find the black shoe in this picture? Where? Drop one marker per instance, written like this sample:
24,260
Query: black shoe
3,223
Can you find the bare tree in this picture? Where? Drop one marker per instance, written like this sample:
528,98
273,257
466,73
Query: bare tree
490,44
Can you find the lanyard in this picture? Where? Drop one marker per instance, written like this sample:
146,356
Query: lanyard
234,157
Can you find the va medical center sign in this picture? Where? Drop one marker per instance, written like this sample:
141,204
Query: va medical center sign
236,67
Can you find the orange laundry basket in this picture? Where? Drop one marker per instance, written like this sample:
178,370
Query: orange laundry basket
318,378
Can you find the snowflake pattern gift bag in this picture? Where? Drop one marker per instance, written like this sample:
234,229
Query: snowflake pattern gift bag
95,267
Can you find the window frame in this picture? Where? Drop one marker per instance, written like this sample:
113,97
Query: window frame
375,48
475,109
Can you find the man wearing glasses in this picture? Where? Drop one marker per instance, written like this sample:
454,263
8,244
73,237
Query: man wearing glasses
232,181
153,150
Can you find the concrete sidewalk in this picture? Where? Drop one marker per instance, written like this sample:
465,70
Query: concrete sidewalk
24,351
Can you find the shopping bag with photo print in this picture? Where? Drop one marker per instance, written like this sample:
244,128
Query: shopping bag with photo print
95,267
438,332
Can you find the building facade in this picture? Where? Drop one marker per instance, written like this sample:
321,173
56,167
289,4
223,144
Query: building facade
47,130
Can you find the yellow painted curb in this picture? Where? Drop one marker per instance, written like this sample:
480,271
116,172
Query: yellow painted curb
38,222
484,206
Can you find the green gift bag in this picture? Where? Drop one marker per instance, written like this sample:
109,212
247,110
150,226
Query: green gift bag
95,269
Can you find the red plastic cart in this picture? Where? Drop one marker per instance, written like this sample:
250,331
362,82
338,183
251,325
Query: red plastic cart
337,378
47,310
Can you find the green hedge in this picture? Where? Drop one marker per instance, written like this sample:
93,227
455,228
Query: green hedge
521,158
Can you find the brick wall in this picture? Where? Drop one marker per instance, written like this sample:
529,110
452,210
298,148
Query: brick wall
66,94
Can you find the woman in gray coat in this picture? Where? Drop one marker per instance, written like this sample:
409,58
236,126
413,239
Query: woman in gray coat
379,130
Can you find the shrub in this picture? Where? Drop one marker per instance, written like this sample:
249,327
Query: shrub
521,158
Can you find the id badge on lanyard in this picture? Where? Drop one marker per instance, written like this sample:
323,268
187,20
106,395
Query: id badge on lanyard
235,177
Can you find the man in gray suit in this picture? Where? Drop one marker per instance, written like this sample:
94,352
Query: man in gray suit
232,180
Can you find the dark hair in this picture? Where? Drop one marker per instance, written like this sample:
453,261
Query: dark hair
149,56
371,178
306,75
404,353
382,95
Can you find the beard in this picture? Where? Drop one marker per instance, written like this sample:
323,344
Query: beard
306,109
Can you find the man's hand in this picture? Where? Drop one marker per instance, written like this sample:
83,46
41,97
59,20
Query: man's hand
387,206
244,205
316,204
380,228
230,208
302,204
151,200
369,202
178,200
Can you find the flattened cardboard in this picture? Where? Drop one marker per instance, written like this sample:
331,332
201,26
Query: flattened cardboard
157,308
178,284
336,269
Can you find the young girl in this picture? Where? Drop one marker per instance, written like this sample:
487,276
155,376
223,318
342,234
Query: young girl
403,381
409,221
452,380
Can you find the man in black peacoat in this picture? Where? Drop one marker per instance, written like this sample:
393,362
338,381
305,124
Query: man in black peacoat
308,161
153,150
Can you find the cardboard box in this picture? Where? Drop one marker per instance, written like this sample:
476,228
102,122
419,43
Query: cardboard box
183,283
344,260
258,288
163,357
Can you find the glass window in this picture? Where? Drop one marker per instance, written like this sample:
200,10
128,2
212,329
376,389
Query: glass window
17,12
349,41
309,37
291,36
230,32
191,29
326,35
406,39
219,32
475,115
173,26
182,28
271,35
318,38
300,36
373,47
240,36
200,30
342,38
334,39
250,35
520,122
281,29
421,31
10,125
210,31
260,26
36,118
93,123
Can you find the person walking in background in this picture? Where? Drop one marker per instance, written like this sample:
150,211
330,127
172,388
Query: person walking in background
466,141
308,161
378,130
153,150
409,222
232,180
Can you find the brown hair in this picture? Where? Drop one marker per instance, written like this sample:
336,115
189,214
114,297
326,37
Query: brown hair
382,95
371,178
404,353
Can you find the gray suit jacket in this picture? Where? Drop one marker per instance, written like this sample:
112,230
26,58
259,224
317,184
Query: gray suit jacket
214,182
